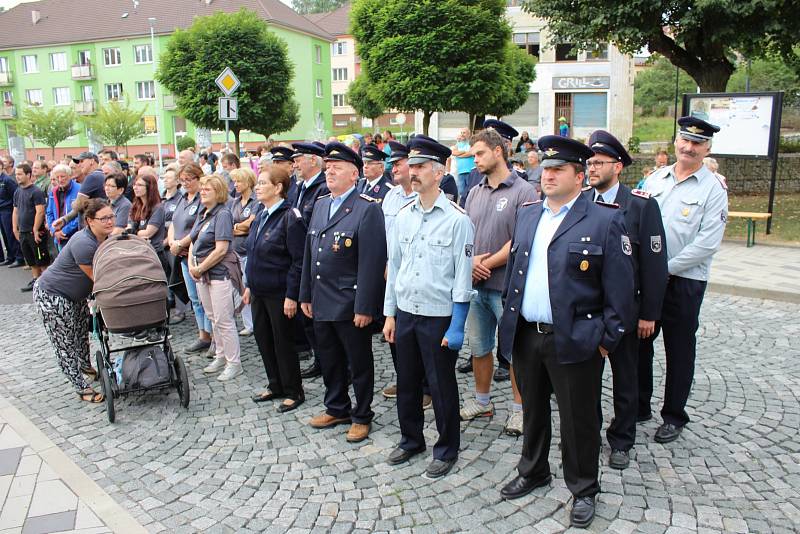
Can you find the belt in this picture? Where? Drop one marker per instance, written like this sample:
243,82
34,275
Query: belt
541,328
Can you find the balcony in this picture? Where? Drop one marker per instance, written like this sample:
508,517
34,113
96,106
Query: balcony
83,72
169,102
85,107
6,79
7,111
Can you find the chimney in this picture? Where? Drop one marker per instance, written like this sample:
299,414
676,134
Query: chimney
36,16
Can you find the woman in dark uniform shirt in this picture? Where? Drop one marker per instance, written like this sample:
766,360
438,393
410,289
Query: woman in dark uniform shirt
274,264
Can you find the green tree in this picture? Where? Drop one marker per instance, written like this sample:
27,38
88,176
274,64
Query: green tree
768,74
116,123
304,7
519,71
654,88
242,41
360,96
432,56
49,127
700,37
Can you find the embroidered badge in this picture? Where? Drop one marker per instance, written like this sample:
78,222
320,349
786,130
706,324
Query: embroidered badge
655,243
626,245
501,204
468,251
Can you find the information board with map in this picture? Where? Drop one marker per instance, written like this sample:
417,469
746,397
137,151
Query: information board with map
749,122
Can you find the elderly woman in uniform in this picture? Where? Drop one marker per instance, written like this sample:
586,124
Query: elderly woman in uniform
215,268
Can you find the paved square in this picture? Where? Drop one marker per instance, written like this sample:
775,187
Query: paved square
229,465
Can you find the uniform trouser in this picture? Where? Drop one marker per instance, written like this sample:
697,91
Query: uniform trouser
341,345
645,374
577,390
12,245
216,296
621,433
420,356
275,339
311,336
680,318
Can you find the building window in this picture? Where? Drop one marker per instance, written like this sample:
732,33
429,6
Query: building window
318,54
319,88
29,64
146,90
527,115
34,97
3,64
339,100
111,57
339,48
61,96
598,53
149,124
528,42
88,93
84,57
340,75
113,91
566,52
58,61
589,110
8,98
143,53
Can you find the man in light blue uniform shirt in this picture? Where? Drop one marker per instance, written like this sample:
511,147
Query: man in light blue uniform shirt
428,291
694,208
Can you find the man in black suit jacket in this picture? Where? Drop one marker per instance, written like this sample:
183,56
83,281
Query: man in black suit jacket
342,291
568,303
648,244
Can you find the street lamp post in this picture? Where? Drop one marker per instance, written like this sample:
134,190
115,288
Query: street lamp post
152,21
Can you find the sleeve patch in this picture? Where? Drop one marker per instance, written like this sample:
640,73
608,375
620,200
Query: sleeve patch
468,250
723,217
655,243
626,245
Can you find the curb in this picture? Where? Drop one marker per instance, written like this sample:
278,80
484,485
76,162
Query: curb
754,292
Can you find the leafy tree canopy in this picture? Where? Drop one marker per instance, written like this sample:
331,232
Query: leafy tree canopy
116,123
304,7
654,88
49,127
360,96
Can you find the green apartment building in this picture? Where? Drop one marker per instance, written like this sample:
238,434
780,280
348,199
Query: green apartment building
84,53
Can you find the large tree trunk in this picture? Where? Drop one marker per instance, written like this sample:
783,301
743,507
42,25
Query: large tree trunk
426,121
477,122
236,141
712,76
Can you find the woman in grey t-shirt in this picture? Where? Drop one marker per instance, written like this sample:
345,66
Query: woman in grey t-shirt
146,218
60,295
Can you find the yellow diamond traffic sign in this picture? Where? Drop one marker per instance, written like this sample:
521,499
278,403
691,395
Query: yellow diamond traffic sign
227,81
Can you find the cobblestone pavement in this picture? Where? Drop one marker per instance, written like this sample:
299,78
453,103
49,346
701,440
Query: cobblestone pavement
227,464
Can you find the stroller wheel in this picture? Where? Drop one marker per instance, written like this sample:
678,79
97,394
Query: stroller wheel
182,384
108,389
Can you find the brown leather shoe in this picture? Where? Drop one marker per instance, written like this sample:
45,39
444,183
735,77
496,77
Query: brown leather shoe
357,432
324,420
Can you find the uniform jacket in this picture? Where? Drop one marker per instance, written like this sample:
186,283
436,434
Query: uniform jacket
379,190
275,254
317,189
590,280
344,259
449,187
649,245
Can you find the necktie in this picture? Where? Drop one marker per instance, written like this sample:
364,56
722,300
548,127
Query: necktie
300,195
599,198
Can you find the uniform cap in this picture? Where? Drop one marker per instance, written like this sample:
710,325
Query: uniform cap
422,148
695,129
307,148
557,151
371,152
336,151
504,129
86,155
281,153
399,151
602,142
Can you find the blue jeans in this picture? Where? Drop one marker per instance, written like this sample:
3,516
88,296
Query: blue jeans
462,179
203,322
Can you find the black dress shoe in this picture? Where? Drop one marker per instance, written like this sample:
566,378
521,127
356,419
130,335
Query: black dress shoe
7,262
16,264
267,395
619,459
582,512
312,371
439,468
283,408
643,418
501,374
399,456
466,367
521,486
667,432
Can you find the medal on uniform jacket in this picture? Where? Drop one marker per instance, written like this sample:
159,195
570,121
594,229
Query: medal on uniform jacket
584,266
336,237
348,242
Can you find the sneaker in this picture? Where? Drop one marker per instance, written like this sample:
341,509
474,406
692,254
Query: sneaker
177,317
232,370
473,409
199,345
514,423
140,335
245,332
215,366
211,353
28,287
427,402
390,392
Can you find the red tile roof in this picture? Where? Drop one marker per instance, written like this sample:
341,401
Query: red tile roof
75,21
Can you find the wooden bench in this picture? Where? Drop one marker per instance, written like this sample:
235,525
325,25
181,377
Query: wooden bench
751,217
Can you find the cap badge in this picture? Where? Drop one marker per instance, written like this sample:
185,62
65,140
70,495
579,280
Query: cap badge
694,130
597,145
334,152
550,152
414,152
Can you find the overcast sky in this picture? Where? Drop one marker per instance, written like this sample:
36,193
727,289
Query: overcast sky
8,4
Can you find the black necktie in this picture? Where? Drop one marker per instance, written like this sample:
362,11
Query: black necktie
300,195
599,198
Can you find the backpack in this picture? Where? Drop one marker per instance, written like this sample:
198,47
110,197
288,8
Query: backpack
145,367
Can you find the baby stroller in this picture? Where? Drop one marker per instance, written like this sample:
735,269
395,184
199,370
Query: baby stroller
130,299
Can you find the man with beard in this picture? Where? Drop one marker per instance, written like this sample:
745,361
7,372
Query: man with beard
375,183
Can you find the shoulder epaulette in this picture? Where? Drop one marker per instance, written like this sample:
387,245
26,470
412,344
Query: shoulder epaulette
368,198
390,186
324,196
297,213
459,208
608,205
531,203
406,205
640,193
721,181
587,188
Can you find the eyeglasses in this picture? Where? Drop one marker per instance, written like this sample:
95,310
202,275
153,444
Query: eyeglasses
106,219
599,163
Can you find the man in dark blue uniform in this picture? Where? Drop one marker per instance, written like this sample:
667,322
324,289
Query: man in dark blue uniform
308,164
8,185
341,289
282,157
375,182
568,301
648,243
